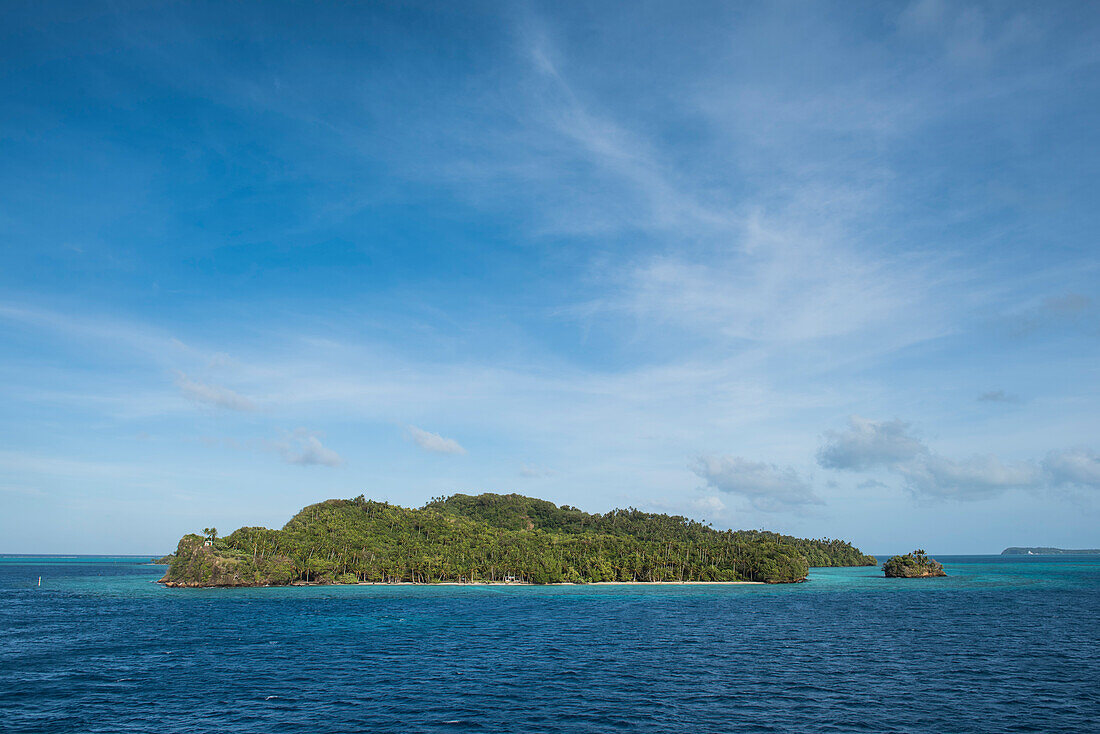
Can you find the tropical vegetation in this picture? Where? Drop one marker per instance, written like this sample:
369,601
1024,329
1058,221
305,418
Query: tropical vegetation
494,538
916,564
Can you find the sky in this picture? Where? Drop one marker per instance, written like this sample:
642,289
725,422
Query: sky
830,269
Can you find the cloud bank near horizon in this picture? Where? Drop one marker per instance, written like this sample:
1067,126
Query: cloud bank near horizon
868,445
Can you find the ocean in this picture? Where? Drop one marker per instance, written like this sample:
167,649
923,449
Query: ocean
1003,644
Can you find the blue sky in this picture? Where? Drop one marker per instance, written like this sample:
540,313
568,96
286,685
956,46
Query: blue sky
830,269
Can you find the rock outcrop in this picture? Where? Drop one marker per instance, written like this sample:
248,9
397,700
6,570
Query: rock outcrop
197,563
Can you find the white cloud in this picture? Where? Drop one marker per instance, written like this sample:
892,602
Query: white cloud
868,443
304,448
765,486
221,397
702,507
977,477
1075,467
788,284
434,442
710,503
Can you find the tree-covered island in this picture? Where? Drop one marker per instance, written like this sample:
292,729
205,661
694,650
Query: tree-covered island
912,565
493,538
1048,551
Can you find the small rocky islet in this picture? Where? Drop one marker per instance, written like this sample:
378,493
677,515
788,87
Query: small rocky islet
913,565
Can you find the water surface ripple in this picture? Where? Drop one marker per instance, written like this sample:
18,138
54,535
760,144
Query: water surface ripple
1001,645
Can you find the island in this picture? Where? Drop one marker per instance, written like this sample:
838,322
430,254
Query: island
913,565
493,538
1044,551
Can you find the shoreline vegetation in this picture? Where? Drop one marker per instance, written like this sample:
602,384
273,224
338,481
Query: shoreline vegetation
493,539
469,584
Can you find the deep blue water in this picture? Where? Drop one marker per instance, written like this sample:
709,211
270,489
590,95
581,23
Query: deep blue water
1002,644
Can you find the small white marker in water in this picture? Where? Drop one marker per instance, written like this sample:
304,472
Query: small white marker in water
39,580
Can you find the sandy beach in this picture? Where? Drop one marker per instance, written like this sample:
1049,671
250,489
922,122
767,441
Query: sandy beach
522,583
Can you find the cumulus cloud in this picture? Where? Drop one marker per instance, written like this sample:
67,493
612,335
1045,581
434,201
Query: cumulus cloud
867,444
434,442
220,397
766,486
304,448
977,477
701,507
1073,467
710,503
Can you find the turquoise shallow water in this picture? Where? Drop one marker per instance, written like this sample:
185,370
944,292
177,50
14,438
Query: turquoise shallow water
1002,644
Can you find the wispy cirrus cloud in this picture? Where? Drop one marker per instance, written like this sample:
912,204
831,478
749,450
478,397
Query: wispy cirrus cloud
998,396
216,395
530,471
752,267
967,34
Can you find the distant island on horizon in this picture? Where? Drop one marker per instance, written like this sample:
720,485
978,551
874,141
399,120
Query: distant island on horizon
493,538
1044,551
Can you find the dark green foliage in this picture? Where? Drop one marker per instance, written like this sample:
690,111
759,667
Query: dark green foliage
516,512
818,553
197,564
912,565
503,538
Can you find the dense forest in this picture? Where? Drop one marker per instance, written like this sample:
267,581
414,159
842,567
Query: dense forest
493,538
